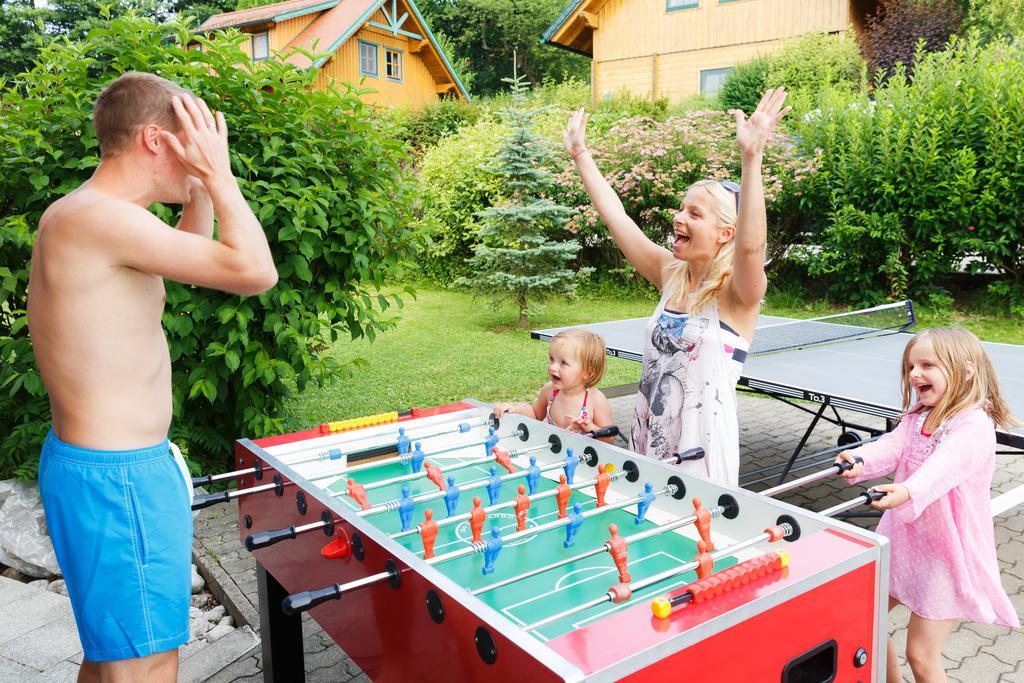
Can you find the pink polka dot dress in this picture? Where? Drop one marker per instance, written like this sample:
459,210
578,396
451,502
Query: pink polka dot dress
942,546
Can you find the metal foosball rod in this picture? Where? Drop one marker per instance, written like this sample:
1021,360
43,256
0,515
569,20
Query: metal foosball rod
414,457
807,456
619,593
299,602
392,505
445,429
333,454
500,456
864,498
715,511
836,468
262,539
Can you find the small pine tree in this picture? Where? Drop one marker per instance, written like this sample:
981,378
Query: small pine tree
515,258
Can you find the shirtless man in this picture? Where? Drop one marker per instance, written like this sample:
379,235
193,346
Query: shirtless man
116,500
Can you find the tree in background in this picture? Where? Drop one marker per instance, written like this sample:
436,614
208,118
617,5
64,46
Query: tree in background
994,19
515,258
495,35
18,31
892,33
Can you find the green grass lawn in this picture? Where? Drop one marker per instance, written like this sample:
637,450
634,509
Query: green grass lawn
448,346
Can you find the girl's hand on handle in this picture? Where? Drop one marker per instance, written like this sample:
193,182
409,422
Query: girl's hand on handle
858,467
895,495
753,134
581,424
575,135
500,409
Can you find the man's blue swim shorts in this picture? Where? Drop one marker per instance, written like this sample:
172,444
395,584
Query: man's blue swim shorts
121,526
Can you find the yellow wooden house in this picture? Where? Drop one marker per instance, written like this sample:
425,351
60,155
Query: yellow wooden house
384,44
679,48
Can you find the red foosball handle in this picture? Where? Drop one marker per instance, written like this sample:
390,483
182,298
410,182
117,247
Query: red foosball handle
720,582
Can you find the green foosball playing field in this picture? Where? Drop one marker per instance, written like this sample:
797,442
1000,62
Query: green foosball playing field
540,596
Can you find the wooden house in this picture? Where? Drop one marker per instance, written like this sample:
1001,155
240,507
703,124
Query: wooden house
385,44
679,48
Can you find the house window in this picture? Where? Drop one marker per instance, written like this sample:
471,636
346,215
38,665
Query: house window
393,65
260,45
671,5
711,80
368,60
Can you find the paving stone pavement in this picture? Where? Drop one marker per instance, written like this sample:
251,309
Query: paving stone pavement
769,430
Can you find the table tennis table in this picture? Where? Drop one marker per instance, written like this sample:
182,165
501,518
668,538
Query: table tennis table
848,361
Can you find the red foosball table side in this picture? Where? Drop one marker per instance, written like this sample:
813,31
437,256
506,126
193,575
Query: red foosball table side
390,632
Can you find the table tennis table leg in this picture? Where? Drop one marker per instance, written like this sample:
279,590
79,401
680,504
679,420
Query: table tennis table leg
803,441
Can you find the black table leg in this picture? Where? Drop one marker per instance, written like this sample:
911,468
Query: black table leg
281,635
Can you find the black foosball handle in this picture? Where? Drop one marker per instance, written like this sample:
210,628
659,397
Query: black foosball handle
202,481
300,602
603,432
262,539
696,453
209,499
845,466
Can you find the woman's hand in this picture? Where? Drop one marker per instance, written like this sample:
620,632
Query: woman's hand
575,135
858,467
753,134
895,495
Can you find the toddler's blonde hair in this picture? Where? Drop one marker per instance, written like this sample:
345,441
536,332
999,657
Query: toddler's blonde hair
590,350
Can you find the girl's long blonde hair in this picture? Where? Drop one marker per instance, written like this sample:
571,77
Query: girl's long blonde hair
721,266
956,349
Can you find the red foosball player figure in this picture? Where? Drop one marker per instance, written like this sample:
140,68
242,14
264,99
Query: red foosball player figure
562,496
604,478
358,494
703,523
502,457
705,563
617,548
476,520
522,506
428,532
434,474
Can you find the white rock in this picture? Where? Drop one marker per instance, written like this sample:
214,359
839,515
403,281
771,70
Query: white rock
218,632
226,620
195,613
41,584
58,587
198,584
198,627
214,614
200,599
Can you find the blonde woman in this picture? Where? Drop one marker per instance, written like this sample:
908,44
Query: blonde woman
712,282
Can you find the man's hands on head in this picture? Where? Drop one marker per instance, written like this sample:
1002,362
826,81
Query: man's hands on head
202,143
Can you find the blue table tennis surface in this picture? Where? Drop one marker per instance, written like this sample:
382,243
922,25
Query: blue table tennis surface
859,374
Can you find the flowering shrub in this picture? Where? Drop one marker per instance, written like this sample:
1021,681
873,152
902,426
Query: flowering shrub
650,164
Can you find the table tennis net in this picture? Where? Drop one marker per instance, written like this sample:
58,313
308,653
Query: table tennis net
869,322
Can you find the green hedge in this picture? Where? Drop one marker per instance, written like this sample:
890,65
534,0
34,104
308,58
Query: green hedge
329,188
923,176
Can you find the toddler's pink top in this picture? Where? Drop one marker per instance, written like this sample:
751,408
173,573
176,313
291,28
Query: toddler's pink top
943,555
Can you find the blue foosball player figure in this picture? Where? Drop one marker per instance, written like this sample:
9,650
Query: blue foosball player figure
645,502
451,496
532,475
406,506
575,522
417,457
402,444
491,441
493,486
571,461
491,549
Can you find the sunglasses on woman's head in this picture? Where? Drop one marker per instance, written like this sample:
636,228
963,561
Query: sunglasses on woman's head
732,187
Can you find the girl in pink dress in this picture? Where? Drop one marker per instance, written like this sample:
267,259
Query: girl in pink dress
938,514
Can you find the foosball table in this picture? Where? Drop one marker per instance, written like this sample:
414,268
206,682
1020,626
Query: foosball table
446,544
